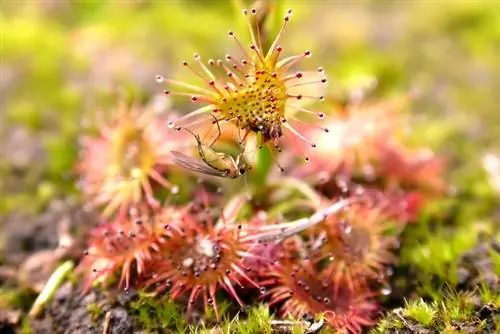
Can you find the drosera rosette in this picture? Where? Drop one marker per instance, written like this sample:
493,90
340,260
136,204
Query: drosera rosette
259,94
354,247
268,249
208,252
121,167
300,289
205,254
124,247
402,206
265,252
356,134
402,167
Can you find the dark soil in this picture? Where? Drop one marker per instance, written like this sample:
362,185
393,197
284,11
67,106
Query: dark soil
476,266
9,320
31,252
25,234
72,312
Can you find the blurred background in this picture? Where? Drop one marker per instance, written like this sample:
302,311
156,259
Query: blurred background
63,60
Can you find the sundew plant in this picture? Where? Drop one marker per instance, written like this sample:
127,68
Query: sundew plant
253,189
202,247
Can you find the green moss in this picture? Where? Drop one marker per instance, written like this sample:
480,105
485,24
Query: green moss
495,259
437,253
154,314
62,153
457,306
386,324
297,329
449,313
16,298
95,311
490,297
8,298
258,321
421,312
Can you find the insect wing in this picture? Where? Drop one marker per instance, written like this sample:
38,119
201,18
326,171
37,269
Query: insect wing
194,165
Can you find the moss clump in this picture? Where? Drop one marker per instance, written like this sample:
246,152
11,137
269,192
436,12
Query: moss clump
154,314
162,314
421,312
95,311
16,298
490,297
475,311
387,324
257,321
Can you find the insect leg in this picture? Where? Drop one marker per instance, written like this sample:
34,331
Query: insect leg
219,133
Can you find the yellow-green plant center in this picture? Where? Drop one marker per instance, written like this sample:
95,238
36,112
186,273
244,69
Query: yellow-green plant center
132,154
258,105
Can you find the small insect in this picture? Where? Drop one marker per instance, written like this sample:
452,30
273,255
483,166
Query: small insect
214,163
